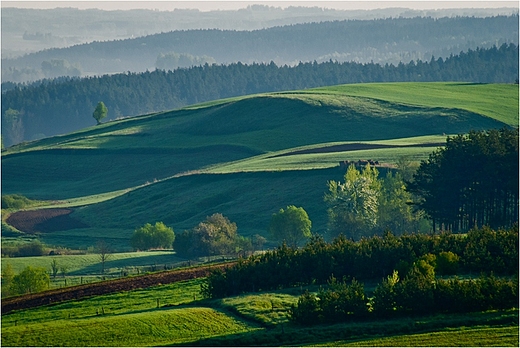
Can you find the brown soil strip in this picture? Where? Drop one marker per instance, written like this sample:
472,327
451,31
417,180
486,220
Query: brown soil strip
44,220
106,287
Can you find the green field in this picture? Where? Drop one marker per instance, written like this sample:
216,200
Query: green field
235,156
463,337
183,318
90,263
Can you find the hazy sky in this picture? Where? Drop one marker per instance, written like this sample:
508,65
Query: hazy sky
232,5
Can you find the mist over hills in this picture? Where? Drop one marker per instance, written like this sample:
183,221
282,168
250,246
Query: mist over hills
390,40
31,30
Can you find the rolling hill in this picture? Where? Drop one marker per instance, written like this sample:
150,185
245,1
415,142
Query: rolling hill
245,157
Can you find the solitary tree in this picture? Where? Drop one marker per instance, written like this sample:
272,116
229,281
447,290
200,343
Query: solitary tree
104,252
290,225
54,268
214,236
100,112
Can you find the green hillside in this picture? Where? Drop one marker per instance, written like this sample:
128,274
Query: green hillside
244,157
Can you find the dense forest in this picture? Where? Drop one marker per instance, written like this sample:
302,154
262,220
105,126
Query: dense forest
390,40
51,107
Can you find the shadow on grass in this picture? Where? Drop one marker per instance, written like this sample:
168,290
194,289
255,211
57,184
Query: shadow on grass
292,334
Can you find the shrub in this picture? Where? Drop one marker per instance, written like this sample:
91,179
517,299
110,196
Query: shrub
15,201
34,248
384,299
30,280
447,263
307,311
152,237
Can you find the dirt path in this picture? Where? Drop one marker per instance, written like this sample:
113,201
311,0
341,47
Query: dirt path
106,287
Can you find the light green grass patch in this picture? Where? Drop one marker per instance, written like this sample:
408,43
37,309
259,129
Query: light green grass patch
122,303
149,328
498,101
265,308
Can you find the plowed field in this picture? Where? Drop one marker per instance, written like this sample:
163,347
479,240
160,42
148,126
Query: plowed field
44,220
106,287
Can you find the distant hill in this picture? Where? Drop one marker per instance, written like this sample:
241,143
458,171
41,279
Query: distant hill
245,157
31,30
390,40
59,106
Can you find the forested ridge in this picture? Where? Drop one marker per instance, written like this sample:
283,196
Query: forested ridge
50,107
382,41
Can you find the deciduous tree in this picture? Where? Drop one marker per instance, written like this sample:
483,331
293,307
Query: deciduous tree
291,225
100,112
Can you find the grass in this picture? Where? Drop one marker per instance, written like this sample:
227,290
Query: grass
89,264
462,337
155,327
131,319
181,166
491,100
182,318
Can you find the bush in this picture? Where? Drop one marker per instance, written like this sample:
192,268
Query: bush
447,263
152,237
30,280
384,299
15,201
34,248
339,302
307,311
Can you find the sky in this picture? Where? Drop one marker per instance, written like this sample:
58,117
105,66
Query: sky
233,5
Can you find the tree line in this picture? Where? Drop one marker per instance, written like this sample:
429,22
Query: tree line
51,107
479,251
418,293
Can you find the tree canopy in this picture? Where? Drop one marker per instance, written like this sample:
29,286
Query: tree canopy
473,181
291,225
214,236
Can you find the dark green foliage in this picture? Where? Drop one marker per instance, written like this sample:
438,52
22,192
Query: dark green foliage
414,294
385,296
152,237
339,302
370,258
473,181
417,294
34,248
307,311
61,106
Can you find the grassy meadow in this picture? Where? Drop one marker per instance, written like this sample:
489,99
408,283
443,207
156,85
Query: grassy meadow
236,156
175,314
